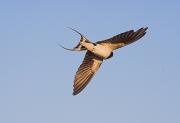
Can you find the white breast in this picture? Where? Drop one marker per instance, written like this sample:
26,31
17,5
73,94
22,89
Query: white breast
102,51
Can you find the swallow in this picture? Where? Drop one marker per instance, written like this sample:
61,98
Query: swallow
97,52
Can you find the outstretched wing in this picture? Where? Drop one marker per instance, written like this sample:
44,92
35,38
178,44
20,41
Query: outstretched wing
86,71
123,39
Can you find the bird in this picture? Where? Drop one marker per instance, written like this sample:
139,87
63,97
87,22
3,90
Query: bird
97,52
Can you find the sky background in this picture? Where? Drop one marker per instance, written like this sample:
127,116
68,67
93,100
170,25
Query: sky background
140,84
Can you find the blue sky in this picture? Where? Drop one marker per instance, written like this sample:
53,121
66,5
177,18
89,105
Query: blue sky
140,84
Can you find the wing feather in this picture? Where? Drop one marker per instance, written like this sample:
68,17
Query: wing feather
123,39
86,71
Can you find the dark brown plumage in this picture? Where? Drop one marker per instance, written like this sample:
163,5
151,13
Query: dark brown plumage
86,71
123,39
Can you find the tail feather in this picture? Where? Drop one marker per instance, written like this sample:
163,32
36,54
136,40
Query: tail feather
79,47
83,38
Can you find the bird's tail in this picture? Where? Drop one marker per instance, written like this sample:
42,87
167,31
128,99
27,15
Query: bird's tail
79,47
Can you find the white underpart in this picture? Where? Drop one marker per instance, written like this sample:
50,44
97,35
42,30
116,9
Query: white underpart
100,50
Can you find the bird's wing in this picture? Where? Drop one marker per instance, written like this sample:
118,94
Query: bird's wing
86,71
123,39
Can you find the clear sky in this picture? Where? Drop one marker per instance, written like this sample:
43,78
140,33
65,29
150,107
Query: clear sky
140,84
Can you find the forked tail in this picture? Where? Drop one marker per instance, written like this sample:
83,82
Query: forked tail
79,47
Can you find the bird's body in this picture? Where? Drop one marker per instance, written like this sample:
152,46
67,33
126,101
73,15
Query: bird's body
97,52
102,51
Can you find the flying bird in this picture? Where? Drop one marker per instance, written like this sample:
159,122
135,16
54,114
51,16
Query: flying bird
97,52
